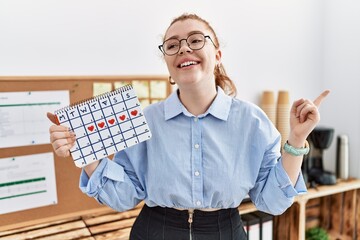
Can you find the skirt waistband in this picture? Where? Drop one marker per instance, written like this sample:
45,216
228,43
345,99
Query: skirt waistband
204,210
155,223
197,212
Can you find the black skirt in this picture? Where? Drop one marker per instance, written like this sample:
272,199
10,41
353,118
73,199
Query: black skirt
157,223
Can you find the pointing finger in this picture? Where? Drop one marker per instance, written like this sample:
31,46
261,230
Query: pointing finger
321,97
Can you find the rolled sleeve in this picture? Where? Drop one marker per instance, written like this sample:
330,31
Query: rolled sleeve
278,193
107,169
285,183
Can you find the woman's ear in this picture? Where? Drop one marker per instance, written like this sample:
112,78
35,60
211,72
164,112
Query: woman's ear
218,57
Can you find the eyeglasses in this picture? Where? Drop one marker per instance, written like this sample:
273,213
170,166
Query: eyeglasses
195,41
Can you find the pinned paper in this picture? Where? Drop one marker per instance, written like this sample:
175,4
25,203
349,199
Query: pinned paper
100,88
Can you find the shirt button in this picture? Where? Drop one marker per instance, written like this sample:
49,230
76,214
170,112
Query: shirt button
197,173
198,203
196,119
197,146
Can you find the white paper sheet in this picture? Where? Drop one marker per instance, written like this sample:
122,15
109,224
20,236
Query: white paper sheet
27,182
100,88
23,118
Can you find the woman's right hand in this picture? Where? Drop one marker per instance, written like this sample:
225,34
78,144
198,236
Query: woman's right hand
62,140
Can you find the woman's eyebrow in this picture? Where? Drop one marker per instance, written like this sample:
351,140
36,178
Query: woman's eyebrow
177,36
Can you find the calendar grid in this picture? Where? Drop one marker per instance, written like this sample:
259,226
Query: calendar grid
101,137
105,125
72,127
127,109
117,121
80,149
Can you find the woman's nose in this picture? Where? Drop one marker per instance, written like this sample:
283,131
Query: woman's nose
184,47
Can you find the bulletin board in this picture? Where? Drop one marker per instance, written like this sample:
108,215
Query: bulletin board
71,201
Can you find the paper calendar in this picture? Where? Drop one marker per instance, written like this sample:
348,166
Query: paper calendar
105,124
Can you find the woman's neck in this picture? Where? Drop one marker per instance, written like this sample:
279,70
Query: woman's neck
197,101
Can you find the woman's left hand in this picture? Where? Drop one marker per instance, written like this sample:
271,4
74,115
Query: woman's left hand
304,116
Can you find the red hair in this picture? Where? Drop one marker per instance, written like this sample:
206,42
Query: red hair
221,78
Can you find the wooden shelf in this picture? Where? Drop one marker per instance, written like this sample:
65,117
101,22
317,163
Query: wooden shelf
247,207
334,208
321,191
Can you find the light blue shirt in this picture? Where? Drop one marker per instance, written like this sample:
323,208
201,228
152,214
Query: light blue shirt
208,161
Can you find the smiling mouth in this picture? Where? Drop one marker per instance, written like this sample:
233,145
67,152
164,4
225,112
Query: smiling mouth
188,63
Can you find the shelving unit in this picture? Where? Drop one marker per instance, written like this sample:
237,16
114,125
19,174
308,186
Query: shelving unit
334,208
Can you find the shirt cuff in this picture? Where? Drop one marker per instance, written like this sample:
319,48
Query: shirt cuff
107,169
285,182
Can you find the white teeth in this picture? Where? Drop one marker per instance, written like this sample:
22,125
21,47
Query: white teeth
185,64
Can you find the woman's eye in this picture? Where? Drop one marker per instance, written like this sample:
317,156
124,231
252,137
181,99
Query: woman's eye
196,40
171,46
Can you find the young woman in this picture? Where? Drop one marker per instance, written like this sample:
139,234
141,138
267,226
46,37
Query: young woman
208,150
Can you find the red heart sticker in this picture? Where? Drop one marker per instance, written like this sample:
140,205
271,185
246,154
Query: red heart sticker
111,121
101,124
122,117
91,128
134,113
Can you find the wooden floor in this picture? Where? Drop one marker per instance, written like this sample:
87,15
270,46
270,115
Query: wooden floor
107,225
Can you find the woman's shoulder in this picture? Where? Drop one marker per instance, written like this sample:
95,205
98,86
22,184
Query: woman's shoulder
244,105
154,106
154,110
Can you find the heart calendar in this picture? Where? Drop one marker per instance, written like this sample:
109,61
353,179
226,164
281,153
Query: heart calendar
104,125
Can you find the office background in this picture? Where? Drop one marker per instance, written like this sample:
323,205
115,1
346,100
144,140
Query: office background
300,46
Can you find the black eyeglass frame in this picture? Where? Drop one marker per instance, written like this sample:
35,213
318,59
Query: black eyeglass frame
161,47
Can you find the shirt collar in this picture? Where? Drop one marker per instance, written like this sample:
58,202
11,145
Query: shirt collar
220,107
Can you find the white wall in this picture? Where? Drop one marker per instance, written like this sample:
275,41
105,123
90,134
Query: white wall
266,44
301,46
341,60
